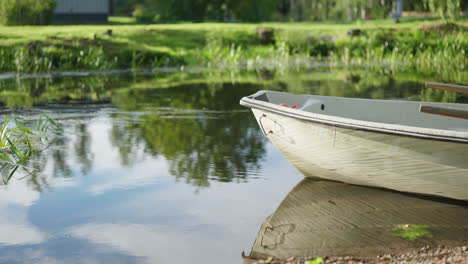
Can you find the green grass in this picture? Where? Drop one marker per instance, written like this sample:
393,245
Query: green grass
314,261
87,47
120,20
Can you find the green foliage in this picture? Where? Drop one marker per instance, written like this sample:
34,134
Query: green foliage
45,59
412,232
19,142
265,10
255,11
444,8
125,7
143,15
418,45
26,12
376,82
314,261
323,10
210,10
280,10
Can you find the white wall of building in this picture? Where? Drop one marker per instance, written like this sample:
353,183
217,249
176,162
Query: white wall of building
82,7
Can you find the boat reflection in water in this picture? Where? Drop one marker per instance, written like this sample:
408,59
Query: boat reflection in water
323,218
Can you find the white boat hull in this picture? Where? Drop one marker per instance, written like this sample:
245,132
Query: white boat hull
398,162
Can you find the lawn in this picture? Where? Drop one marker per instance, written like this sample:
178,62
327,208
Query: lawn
130,45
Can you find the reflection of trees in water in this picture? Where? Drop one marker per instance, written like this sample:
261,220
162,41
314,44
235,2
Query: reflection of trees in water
82,148
197,127
224,149
126,137
70,149
26,92
372,86
370,82
60,157
51,158
198,96
221,143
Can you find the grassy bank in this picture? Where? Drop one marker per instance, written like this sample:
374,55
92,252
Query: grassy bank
430,44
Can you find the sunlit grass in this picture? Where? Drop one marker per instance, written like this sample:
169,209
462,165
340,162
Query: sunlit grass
88,47
122,20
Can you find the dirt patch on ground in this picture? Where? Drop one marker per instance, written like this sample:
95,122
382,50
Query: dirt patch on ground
445,28
441,254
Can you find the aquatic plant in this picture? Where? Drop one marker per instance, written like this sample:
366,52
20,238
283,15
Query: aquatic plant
18,143
314,261
45,59
412,232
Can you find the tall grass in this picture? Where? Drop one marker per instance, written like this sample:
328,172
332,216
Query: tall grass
440,48
28,59
18,143
418,50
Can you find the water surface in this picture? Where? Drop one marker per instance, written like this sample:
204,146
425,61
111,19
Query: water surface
158,168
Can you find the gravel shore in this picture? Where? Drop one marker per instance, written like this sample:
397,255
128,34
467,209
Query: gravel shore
441,254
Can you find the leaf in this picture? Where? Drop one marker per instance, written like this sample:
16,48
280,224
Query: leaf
53,122
412,232
314,261
17,151
22,127
4,155
17,144
12,173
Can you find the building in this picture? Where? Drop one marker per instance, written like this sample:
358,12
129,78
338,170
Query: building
83,11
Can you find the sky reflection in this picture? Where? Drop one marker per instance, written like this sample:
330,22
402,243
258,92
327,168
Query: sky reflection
160,175
135,212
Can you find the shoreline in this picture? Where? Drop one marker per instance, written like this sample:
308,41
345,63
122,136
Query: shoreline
439,254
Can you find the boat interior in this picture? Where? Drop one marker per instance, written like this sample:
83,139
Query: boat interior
398,112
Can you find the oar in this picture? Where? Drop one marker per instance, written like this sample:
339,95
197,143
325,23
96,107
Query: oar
444,111
448,87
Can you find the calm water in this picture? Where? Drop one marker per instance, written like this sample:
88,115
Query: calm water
159,168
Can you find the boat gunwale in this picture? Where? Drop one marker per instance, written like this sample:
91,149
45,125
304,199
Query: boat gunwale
355,124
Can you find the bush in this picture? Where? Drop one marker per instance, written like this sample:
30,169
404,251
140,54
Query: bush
26,12
143,15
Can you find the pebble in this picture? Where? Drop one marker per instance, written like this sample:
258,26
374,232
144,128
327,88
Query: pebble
436,255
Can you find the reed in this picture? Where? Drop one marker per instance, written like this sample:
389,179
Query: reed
18,143
416,50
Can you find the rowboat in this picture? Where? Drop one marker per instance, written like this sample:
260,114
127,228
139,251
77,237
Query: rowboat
401,145
324,218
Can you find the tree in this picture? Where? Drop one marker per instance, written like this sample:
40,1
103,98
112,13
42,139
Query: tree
320,10
26,12
444,8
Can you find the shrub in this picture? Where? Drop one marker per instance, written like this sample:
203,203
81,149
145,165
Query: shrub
26,12
444,8
143,15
